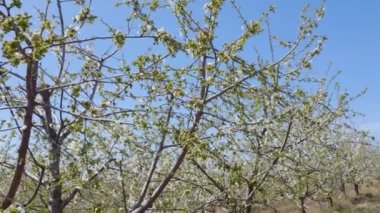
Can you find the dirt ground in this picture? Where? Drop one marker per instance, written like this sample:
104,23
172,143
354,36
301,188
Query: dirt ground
367,202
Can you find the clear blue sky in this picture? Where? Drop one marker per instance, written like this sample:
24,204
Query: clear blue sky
353,29
353,46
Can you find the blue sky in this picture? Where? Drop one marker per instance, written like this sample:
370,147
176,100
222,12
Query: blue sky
353,29
353,47
353,44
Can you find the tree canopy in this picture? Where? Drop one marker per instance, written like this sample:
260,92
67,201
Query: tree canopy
157,105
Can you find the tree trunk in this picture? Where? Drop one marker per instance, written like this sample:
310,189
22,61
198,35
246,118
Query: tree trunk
343,187
55,194
31,82
55,190
249,200
356,188
331,202
302,203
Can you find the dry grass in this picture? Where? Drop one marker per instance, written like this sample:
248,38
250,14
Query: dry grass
367,202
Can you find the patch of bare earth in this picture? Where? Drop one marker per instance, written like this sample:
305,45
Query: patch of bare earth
368,201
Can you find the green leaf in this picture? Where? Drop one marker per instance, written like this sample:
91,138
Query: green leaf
119,39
